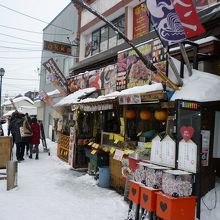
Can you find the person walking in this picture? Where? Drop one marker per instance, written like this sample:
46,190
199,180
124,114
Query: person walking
35,138
16,123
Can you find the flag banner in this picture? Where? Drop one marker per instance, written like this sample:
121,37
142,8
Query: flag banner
164,16
42,95
175,20
188,17
57,77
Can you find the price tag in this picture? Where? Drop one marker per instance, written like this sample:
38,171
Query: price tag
112,150
116,141
90,143
93,152
139,134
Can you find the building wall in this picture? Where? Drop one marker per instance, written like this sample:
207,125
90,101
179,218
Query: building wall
67,18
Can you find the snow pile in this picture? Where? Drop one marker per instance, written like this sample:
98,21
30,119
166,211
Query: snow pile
75,97
201,86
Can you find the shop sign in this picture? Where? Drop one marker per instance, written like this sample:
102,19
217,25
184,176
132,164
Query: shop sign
131,71
56,76
72,143
205,147
130,99
187,156
190,105
58,47
140,20
118,155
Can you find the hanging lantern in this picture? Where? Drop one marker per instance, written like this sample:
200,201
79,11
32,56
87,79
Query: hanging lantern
145,115
160,115
130,114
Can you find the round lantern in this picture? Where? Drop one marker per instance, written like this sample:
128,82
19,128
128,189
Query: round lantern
160,115
145,115
130,114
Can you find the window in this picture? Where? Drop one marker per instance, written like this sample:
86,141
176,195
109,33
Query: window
105,37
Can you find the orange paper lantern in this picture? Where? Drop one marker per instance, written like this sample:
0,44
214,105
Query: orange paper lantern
160,115
130,114
145,115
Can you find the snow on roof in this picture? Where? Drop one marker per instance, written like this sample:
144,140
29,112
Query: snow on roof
31,110
142,89
201,87
23,98
130,91
200,41
54,92
75,97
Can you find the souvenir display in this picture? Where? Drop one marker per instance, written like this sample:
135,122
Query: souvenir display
154,176
177,183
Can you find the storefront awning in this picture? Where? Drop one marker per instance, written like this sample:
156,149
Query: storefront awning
75,97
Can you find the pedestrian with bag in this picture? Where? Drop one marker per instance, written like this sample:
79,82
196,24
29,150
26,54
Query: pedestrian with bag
35,138
15,127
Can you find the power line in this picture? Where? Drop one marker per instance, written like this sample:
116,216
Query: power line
35,45
22,79
33,32
3,6
7,35
17,48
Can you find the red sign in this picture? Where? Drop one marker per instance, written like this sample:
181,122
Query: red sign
188,17
140,20
187,133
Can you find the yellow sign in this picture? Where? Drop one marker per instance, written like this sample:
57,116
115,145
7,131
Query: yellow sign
93,152
112,150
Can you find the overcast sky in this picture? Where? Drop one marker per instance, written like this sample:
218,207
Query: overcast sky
21,58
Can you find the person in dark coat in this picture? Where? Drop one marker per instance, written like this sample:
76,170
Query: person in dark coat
16,122
35,138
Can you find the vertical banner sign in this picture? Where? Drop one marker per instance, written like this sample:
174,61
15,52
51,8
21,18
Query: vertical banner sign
205,147
176,20
72,143
188,17
140,26
167,21
58,79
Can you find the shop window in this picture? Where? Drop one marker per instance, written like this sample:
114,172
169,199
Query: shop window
105,37
96,42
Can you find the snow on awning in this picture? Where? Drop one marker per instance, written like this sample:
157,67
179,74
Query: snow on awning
142,89
201,87
75,97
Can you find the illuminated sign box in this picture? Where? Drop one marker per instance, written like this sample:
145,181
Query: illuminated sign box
58,47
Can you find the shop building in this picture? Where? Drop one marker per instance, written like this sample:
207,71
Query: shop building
59,43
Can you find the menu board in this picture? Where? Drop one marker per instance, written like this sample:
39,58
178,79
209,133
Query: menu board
187,156
168,146
156,151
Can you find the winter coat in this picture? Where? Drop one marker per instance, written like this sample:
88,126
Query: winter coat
35,139
14,126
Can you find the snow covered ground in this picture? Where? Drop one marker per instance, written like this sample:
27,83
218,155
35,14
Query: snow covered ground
49,190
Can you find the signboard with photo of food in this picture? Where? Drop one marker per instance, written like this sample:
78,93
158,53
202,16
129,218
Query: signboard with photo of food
131,71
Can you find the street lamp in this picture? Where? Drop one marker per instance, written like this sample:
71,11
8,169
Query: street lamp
2,73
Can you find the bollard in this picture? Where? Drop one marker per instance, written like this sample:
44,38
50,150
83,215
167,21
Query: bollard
12,171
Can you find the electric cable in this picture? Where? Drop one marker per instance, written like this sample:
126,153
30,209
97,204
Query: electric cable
22,79
7,35
33,32
3,6
12,42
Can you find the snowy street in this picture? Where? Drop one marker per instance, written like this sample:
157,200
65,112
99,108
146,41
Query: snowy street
49,189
